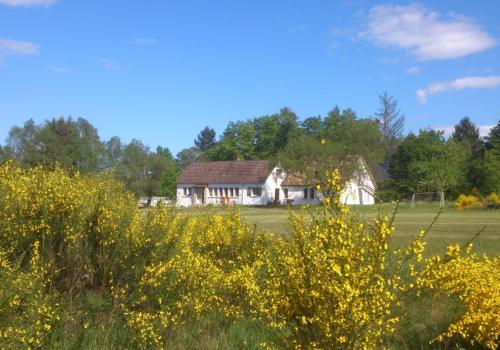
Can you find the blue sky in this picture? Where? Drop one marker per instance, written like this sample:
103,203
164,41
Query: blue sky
160,71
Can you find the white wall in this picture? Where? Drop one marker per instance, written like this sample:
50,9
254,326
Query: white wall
361,185
268,188
296,195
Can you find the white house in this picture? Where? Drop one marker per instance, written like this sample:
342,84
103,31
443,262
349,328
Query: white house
257,182
359,190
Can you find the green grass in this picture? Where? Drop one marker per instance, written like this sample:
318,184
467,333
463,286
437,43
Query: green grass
453,226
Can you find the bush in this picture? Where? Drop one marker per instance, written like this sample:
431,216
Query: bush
468,201
27,314
493,201
476,282
81,266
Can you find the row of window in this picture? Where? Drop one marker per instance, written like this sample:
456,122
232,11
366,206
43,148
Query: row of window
251,192
223,191
227,191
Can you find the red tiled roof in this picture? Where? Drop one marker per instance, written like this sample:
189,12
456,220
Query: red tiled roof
231,172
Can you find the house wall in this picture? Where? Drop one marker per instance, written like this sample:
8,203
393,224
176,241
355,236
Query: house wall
268,188
296,196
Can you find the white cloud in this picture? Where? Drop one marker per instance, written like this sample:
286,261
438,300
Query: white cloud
59,70
144,41
477,82
107,63
17,47
413,70
28,3
484,130
426,34
448,130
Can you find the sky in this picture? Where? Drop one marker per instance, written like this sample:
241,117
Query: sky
160,71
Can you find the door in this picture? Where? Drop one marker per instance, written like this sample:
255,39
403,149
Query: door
199,195
277,196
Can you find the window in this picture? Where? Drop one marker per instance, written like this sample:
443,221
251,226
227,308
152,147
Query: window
231,192
226,192
254,191
221,193
237,192
211,191
285,192
305,193
311,193
187,191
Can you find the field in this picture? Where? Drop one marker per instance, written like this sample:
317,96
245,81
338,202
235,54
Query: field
452,226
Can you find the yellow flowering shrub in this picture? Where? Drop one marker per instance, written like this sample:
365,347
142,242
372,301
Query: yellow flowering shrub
27,315
208,266
84,224
493,200
468,201
329,286
335,283
476,282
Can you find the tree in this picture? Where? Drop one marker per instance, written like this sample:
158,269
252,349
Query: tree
133,169
354,136
484,171
313,126
493,139
188,156
467,134
24,146
426,162
163,173
113,152
205,139
273,132
237,143
74,145
3,155
391,121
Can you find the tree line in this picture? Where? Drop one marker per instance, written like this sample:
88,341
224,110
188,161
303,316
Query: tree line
402,164
76,146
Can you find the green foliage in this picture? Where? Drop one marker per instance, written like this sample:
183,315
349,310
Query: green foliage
426,162
187,156
74,145
205,139
466,133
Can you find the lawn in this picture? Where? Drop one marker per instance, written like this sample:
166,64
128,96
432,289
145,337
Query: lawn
453,226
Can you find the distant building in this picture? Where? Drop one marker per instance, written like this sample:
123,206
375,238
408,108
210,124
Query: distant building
257,182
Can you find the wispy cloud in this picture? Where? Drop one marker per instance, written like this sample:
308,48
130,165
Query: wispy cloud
297,29
59,70
413,70
141,41
107,63
448,130
426,34
28,3
477,82
17,47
